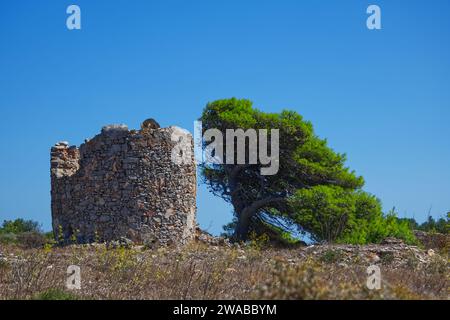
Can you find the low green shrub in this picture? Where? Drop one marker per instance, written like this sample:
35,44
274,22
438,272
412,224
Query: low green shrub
19,226
26,233
55,294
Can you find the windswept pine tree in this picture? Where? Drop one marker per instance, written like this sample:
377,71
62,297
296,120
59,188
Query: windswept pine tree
312,191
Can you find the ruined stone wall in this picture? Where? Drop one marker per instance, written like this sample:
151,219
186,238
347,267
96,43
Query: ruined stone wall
124,184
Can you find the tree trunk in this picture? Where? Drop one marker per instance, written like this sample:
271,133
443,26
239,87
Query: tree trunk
244,216
242,226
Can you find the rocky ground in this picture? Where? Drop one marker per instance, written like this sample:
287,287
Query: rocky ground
212,268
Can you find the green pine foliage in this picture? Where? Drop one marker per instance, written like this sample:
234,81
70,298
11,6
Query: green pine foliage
333,214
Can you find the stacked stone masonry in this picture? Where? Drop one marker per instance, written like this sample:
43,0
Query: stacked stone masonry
125,184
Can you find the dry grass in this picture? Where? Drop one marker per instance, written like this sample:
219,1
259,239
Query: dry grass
199,271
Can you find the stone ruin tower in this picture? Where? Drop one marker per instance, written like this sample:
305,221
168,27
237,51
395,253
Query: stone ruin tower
125,183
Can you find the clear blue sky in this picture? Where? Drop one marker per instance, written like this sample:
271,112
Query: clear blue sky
383,97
